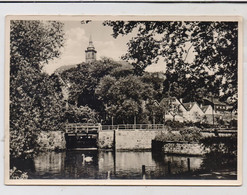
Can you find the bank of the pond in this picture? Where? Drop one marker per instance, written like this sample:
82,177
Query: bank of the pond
51,141
223,145
180,148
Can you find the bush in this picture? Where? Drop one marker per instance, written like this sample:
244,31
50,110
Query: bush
14,173
191,134
205,125
222,153
188,134
82,114
174,124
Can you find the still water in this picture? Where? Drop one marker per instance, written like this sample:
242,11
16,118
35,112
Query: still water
117,165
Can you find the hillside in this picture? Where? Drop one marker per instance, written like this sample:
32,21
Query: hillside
65,67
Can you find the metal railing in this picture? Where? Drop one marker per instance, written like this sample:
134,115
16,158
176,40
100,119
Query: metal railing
134,127
94,128
83,128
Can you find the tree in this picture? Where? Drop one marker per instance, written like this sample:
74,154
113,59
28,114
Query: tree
35,97
156,80
213,44
170,106
124,97
82,114
34,43
84,79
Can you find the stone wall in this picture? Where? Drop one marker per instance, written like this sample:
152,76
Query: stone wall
135,139
51,140
106,139
184,148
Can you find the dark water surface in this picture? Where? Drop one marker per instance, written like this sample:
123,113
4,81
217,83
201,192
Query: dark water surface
123,165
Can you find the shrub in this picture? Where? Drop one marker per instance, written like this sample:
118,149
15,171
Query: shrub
191,134
188,134
14,173
168,137
174,124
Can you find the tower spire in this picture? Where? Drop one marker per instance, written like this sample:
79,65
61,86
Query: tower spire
90,42
90,52
90,39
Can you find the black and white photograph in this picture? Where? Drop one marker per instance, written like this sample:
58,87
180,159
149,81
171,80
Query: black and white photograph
123,100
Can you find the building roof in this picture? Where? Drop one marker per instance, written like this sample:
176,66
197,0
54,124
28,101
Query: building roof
215,101
173,99
91,46
167,101
204,108
188,105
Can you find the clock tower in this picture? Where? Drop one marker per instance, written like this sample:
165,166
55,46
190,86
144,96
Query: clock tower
90,53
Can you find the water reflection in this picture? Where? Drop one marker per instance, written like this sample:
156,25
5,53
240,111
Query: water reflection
125,165
49,163
102,164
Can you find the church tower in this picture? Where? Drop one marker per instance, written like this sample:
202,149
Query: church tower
90,53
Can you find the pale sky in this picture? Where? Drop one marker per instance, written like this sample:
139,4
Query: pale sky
77,39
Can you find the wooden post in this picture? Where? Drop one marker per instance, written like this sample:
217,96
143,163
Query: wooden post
76,173
169,167
143,172
188,162
134,122
114,152
112,122
109,175
153,120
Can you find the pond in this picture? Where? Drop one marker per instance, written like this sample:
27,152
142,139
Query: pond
80,164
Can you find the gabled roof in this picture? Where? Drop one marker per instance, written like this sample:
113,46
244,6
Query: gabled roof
173,100
215,101
188,105
204,108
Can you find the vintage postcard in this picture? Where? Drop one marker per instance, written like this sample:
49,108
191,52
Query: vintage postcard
123,100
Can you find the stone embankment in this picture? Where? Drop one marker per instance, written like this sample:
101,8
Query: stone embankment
51,141
127,139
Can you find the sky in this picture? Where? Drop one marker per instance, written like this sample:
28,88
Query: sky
77,39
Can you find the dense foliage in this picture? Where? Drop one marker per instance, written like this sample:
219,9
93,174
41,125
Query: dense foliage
213,45
223,153
35,97
14,173
112,90
82,114
187,134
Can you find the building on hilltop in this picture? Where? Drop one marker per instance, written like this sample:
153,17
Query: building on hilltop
90,52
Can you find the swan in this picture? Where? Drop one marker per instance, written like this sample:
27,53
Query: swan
86,158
